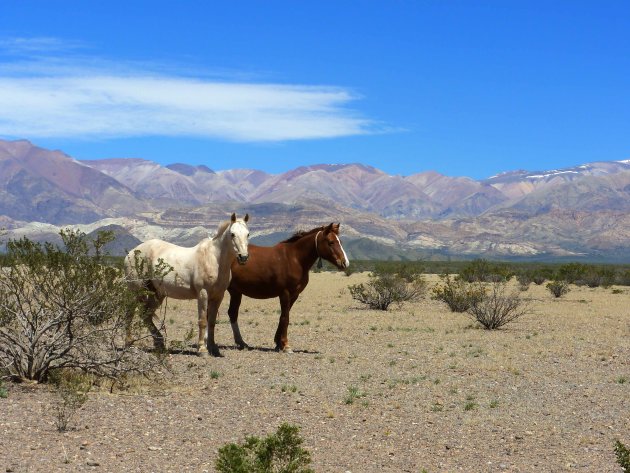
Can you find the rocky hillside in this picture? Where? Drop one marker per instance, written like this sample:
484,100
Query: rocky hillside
573,212
48,186
418,196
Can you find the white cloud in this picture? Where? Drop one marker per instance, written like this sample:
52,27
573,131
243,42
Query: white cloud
55,98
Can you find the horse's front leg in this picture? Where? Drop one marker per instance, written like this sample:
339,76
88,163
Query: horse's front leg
235,303
282,340
213,310
202,313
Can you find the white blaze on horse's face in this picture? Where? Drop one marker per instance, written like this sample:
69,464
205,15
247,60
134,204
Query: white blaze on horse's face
240,238
346,261
334,251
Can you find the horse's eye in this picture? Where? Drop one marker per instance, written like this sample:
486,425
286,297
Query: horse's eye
248,235
233,235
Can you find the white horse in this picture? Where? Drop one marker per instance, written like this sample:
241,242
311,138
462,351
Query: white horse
201,272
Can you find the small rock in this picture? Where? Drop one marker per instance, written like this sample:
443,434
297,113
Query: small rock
199,418
155,449
93,463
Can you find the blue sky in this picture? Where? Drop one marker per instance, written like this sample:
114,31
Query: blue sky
461,87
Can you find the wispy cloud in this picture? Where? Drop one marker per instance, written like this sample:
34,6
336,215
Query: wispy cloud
38,45
84,98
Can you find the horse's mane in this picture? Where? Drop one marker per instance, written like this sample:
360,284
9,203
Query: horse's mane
300,234
221,230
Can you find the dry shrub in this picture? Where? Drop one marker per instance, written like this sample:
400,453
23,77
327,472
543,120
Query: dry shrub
386,289
65,307
498,306
538,279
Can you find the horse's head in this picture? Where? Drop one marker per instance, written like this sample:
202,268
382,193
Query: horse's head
239,233
328,246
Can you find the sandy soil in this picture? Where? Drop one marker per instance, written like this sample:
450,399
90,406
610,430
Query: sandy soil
545,394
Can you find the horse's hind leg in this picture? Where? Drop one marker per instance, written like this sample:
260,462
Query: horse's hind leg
151,303
235,303
202,313
282,340
129,328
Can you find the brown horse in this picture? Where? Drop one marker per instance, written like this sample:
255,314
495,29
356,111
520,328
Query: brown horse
282,271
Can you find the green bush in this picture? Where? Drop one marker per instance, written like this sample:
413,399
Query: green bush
384,290
558,288
571,272
280,452
3,391
538,278
623,278
596,277
457,293
481,270
623,456
71,389
65,308
408,272
524,280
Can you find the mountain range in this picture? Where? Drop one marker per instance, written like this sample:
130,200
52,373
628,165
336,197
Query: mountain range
577,212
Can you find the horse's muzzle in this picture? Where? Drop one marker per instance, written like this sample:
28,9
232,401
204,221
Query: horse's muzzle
242,259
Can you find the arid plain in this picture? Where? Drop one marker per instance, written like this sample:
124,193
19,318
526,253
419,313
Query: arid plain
412,389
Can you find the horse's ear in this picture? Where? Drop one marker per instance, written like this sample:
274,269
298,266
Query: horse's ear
336,227
329,228
246,218
233,218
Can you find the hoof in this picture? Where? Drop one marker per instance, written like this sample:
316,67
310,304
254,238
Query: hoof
286,349
215,352
203,354
159,345
243,346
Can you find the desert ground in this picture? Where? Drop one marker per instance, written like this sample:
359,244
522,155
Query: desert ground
548,393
